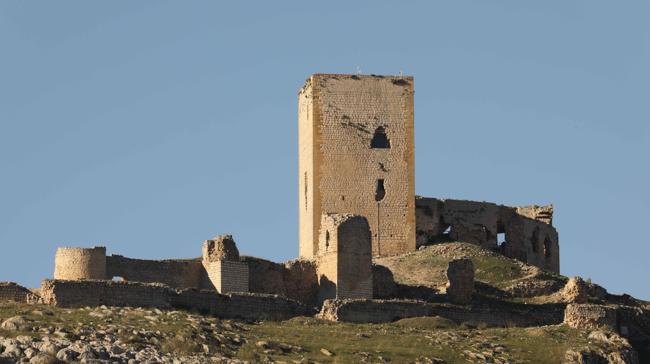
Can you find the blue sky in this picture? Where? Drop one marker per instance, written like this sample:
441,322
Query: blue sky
151,126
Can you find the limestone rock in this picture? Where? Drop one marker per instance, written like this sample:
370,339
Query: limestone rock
220,248
460,285
16,323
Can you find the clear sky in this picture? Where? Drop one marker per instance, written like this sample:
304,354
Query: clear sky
150,126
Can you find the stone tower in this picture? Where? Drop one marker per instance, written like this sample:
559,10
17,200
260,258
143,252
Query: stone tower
356,156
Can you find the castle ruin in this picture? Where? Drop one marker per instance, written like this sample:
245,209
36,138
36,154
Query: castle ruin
357,203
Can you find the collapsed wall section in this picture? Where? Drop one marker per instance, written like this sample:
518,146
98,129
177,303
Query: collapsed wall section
524,233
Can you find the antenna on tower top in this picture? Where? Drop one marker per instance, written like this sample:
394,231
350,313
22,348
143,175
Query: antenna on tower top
401,74
358,72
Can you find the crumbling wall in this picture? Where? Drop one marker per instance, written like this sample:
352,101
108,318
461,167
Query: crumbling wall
295,279
356,155
344,263
179,273
10,291
80,263
527,231
590,316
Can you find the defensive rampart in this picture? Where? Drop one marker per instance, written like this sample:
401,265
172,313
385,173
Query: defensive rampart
179,273
251,306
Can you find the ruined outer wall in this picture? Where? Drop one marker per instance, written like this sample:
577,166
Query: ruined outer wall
182,273
295,279
10,291
339,171
102,292
135,294
529,235
80,263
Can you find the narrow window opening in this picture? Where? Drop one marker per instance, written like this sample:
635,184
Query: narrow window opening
547,247
380,192
118,279
447,231
380,140
501,239
327,240
305,191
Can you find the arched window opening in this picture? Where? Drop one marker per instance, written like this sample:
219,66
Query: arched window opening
380,192
118,279
547,247
380,140
534,240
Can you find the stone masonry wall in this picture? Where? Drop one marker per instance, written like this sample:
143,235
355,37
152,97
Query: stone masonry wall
181,273
529,235
80,263
10,291
75,293
295,279
237,305
340,118
227,276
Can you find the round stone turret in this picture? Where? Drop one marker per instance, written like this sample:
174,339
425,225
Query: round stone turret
80,263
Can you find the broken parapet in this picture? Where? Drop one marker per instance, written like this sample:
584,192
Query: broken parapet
460,284
223,269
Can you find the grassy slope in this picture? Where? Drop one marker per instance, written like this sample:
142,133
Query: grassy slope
427,266
400,342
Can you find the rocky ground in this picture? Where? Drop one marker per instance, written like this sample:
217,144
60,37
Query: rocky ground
43,334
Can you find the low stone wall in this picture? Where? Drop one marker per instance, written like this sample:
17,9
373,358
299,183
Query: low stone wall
10,291
65,293
376,311
373,311
178,273
247,306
